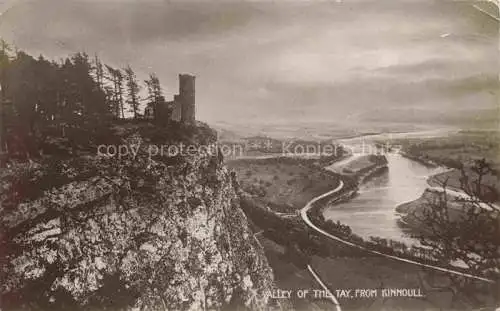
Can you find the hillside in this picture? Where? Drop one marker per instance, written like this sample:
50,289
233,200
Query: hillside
94,232
284,184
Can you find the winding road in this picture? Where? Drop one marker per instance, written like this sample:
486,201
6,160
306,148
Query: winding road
305,218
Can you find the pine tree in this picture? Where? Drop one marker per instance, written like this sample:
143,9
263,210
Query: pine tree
4,62
98,72
90,96
115,76
119,90
155,93
132,91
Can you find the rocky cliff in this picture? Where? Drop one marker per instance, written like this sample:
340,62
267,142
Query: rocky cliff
138,233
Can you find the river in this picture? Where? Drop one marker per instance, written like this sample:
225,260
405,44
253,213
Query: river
372,212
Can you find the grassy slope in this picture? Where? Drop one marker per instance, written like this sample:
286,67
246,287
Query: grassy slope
287,184
340,270
377,273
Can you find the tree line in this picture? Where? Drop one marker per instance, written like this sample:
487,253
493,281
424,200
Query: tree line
39,94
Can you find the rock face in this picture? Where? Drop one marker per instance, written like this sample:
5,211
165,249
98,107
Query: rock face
131,233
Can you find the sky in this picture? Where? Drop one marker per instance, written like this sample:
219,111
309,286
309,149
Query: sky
284,62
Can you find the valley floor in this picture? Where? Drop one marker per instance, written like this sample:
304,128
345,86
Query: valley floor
285,185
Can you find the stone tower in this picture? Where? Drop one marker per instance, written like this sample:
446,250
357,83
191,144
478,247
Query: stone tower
187,98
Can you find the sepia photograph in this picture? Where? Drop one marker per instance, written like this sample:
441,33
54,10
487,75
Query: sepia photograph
249,155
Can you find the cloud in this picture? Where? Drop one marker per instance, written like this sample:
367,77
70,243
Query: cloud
280,60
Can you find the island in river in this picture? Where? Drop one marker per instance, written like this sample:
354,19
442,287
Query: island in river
278,187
